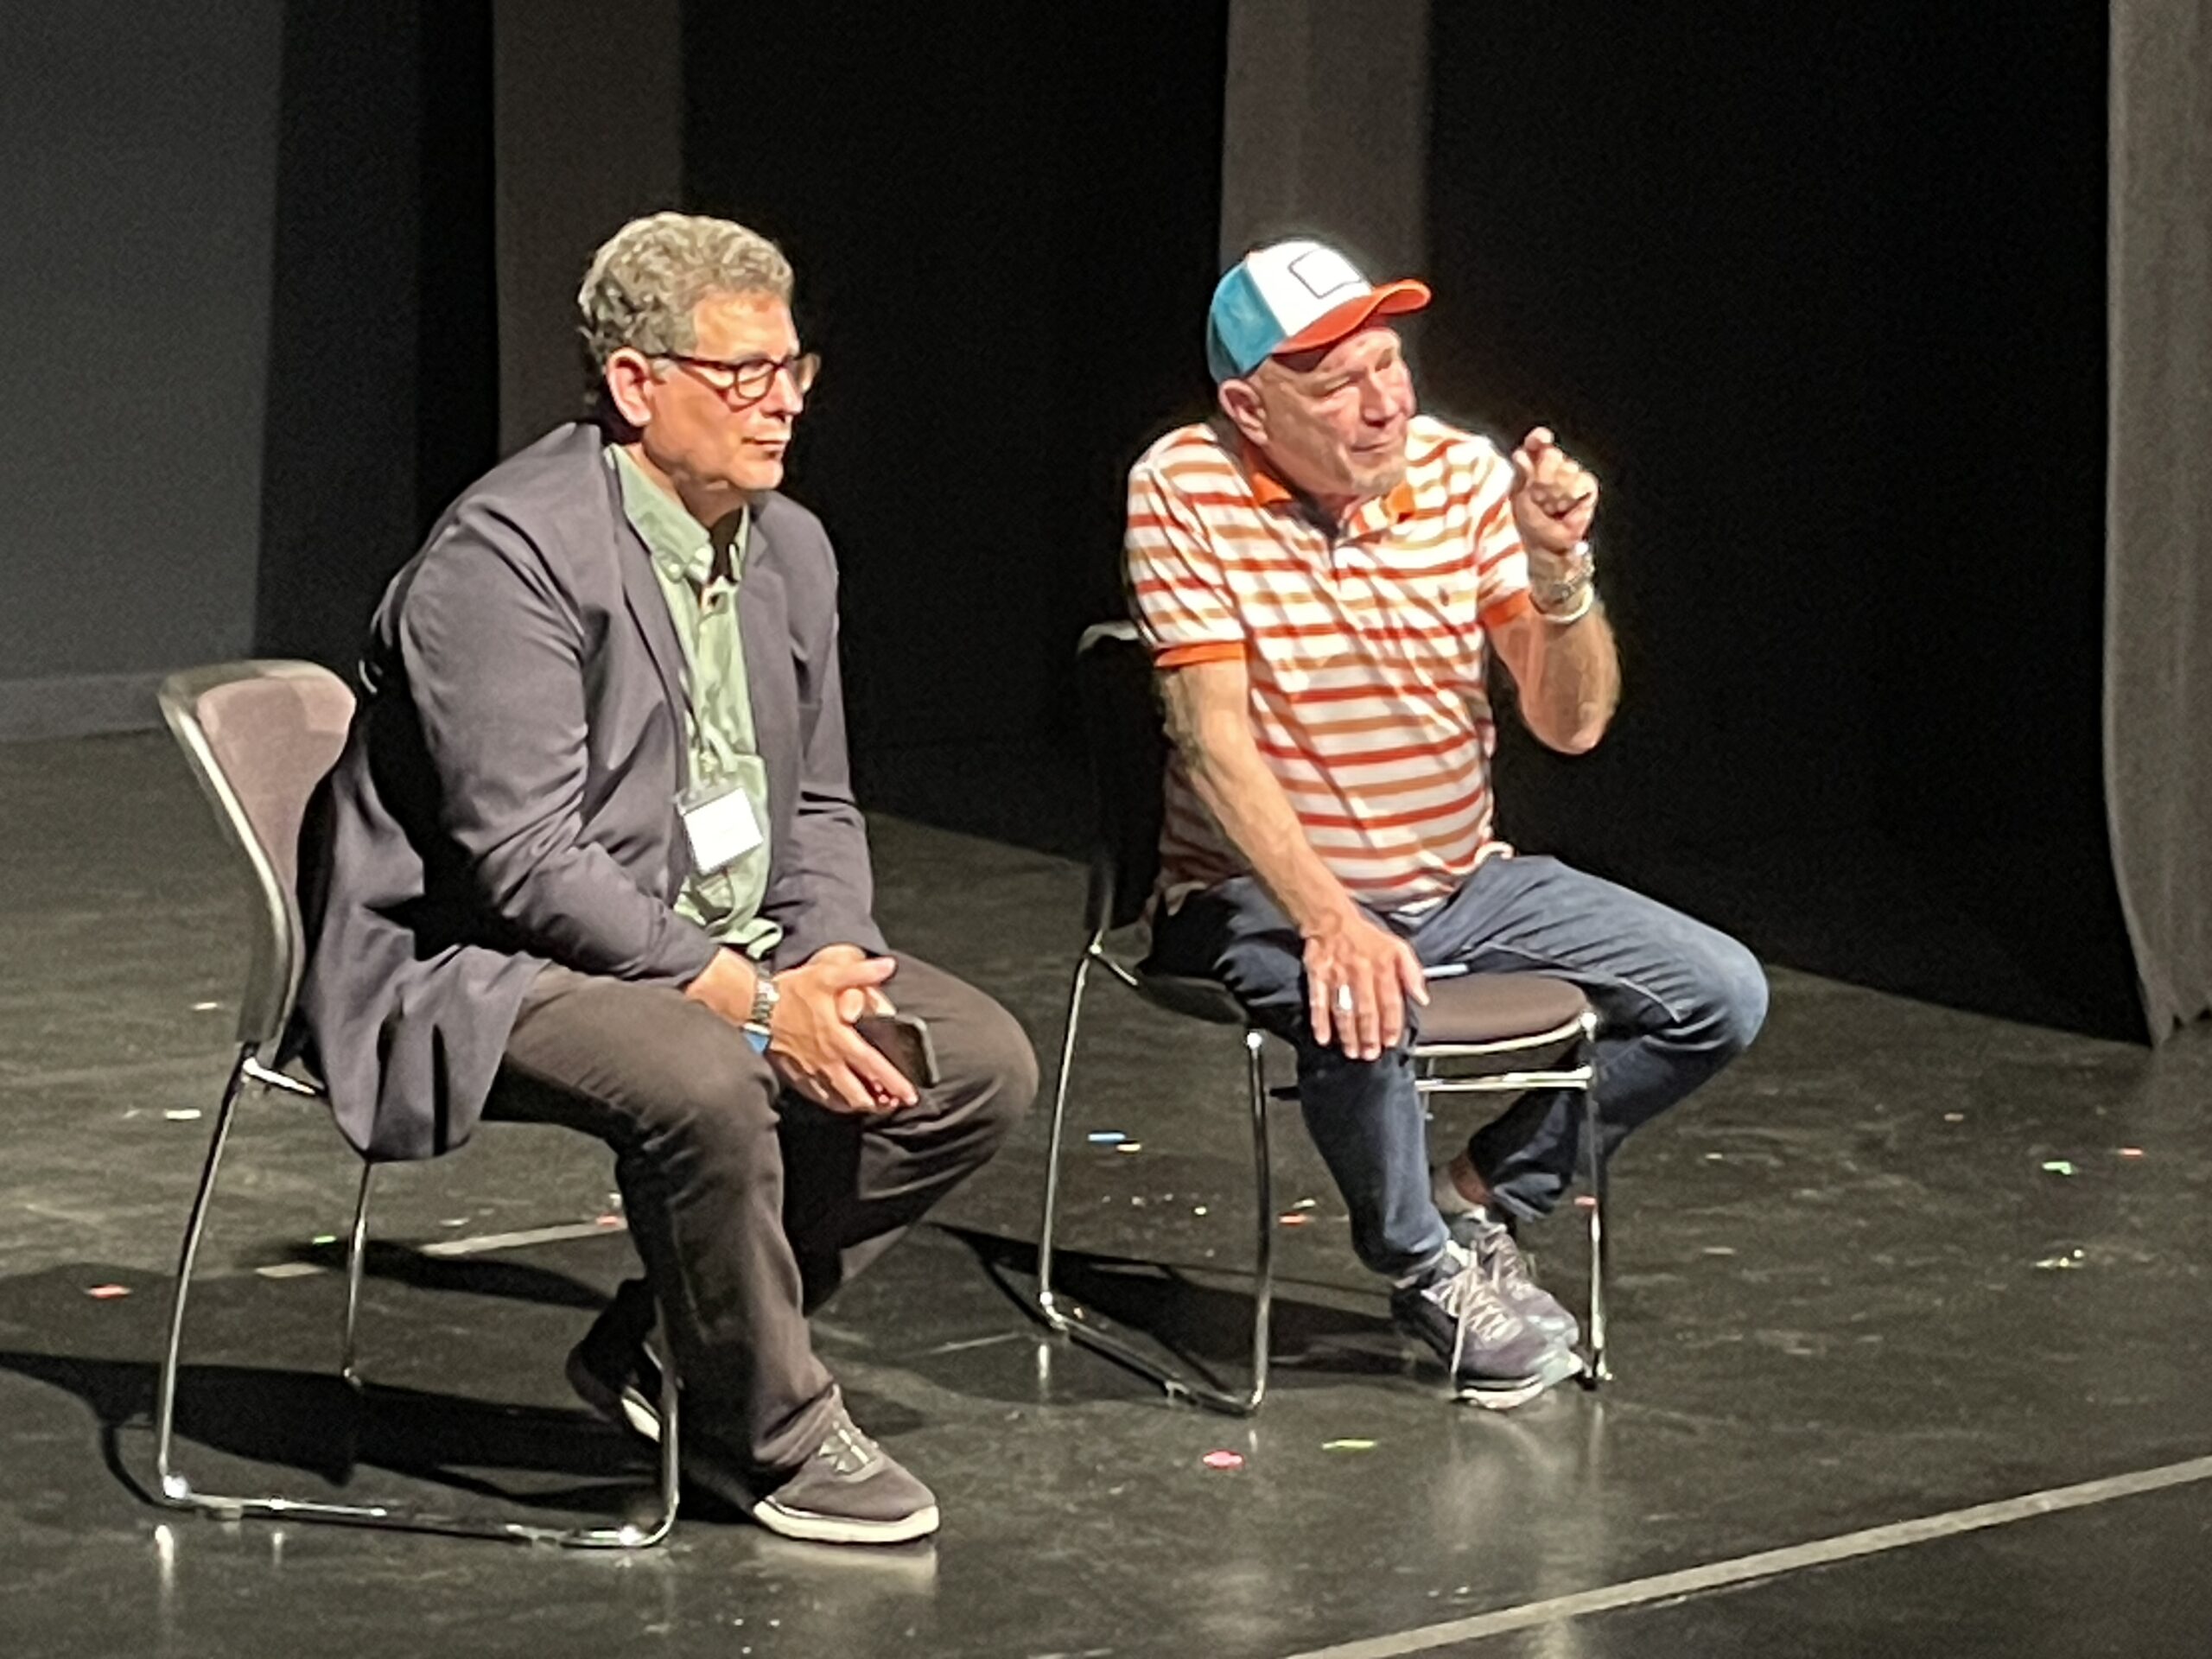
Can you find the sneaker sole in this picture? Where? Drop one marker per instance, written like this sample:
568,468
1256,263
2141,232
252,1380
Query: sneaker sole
843,1530
1504,1396
628,1409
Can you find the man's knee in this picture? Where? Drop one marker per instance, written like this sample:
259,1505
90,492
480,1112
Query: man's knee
1000,1066
987,1070
1733,995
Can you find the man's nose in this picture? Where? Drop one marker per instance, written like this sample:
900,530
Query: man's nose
784,396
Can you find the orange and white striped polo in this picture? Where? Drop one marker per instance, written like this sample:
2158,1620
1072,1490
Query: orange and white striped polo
1365,642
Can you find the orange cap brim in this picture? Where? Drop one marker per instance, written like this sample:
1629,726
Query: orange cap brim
1385,300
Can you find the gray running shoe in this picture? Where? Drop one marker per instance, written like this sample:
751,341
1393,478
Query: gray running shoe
1498,1359
1491,1243
850,1491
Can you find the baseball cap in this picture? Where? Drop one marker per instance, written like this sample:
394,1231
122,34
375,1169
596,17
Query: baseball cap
1291,296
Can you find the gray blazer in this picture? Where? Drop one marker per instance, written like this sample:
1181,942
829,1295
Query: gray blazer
506,795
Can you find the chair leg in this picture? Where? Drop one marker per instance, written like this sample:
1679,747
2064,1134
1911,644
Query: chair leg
1068,1318
1592,1125
672,1466
169,1486
173,1489
357,1249
1047,1228
1263,1269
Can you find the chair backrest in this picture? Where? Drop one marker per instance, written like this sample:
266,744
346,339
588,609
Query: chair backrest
1129,753
259,736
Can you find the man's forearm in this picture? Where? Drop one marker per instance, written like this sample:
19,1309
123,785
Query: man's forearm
1234,784
1568,699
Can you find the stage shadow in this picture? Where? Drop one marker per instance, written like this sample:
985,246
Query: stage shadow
280,1415
1203,1328
404,1264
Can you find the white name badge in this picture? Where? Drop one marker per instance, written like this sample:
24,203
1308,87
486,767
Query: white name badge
720,825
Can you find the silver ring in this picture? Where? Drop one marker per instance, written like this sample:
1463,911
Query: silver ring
1343,999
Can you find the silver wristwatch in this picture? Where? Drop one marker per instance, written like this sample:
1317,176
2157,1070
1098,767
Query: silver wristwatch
1560,595
765,996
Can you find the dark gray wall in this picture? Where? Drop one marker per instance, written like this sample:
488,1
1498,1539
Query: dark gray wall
138,198
2158,603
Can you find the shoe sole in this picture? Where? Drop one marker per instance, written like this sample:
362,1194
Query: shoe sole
627,1408
842,1529
1504,1396
812,1525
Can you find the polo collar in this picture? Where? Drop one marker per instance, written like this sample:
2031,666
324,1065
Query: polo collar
1269,490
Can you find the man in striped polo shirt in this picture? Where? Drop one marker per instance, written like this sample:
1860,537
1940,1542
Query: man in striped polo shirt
1323,575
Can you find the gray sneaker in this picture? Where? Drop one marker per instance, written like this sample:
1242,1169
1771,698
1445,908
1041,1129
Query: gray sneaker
1491,1243
1498,1359
850,1491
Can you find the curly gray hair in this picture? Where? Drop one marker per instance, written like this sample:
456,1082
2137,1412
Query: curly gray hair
647,281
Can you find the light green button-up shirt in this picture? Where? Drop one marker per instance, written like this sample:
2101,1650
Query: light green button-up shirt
718,716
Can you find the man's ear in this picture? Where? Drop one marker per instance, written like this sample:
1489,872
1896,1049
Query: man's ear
1240,402
629,377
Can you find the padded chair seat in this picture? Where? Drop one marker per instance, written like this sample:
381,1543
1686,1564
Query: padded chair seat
1471,1008
1498,1007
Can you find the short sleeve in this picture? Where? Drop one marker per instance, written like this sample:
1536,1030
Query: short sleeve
1501,561
1178,592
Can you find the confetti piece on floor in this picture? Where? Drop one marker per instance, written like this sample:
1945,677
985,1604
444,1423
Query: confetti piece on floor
1347,1445
455,1221
1955,1117
2059,1166
108,1293
1130,1146
2059,1264
1293,1218
324,1238
1198,1209
182,1113
1224,1460
2131,1152
610,1220
206,1008
1586,1202
1720,1249
1105,1137
1306,1203
1716,1157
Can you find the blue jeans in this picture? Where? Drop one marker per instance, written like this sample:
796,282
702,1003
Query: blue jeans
1676,1000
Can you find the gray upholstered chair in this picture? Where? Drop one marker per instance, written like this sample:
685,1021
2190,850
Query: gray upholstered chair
259,737
1481,1034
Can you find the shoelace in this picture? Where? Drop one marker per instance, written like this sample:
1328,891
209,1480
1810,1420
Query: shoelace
1474,1304
1501,1258
848,1450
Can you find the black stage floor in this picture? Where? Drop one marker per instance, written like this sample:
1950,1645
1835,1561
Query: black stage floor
1902,1265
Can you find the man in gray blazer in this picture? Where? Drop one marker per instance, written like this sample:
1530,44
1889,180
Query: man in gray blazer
591,857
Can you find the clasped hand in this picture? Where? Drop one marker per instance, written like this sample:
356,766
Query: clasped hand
811,1040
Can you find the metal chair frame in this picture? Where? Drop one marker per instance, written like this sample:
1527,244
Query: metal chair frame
1069,1319
272,986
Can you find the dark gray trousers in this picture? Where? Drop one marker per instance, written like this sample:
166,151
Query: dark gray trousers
750,1205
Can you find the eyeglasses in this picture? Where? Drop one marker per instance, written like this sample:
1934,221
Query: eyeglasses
750,377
